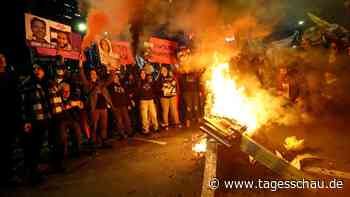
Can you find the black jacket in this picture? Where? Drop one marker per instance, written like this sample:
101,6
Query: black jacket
145,90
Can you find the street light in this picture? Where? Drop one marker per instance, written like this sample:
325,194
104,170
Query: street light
82,27
301,23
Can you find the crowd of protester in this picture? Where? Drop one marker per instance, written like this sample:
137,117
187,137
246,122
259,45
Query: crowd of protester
79,113
84,110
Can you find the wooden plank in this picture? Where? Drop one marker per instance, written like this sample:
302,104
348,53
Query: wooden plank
270,160
259,152
215,136
209,169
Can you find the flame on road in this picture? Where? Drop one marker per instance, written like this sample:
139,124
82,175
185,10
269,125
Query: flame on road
201,146
227,99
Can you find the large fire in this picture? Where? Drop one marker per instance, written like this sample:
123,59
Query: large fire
228,99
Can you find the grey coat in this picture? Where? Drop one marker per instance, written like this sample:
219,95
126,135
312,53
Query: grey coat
94,89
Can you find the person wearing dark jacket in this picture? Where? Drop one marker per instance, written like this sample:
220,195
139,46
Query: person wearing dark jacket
57,128
131,87
121,103
35,113
98,102
167,86
190,89
72,107
147,107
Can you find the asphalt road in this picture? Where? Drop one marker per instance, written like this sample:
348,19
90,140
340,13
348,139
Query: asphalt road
136,169
154,170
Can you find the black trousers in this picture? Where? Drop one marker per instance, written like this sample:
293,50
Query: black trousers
57,134
32,143
121,114
73,126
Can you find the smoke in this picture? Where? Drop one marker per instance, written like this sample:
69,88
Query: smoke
112,16
212,22
206,19
97,21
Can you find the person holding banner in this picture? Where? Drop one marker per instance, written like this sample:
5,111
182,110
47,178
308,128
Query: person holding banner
148,109
98,102
167,85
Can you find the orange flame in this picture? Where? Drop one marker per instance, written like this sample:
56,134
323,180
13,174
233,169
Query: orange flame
227,99
201,146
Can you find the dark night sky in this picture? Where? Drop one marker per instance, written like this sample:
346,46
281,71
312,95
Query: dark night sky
12,41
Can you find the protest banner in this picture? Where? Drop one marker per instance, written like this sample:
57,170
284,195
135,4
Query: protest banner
114,53
51,38
162,51
122,48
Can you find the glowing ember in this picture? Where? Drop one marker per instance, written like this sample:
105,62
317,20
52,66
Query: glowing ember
293,144
201,146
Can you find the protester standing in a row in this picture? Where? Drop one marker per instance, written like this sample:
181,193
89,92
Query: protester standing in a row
35,116
190,90
146,97
121,106
167,85
71,122
98,101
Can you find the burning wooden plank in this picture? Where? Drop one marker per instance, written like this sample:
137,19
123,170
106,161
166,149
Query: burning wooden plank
230,133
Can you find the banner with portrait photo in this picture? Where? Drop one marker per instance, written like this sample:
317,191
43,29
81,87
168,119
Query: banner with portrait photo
50,37
162,51
107,56
123,49
114,53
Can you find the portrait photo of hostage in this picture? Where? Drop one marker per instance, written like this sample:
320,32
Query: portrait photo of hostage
62,40
107,56
38,29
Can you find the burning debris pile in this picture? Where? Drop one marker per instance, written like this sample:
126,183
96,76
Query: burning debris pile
234,115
